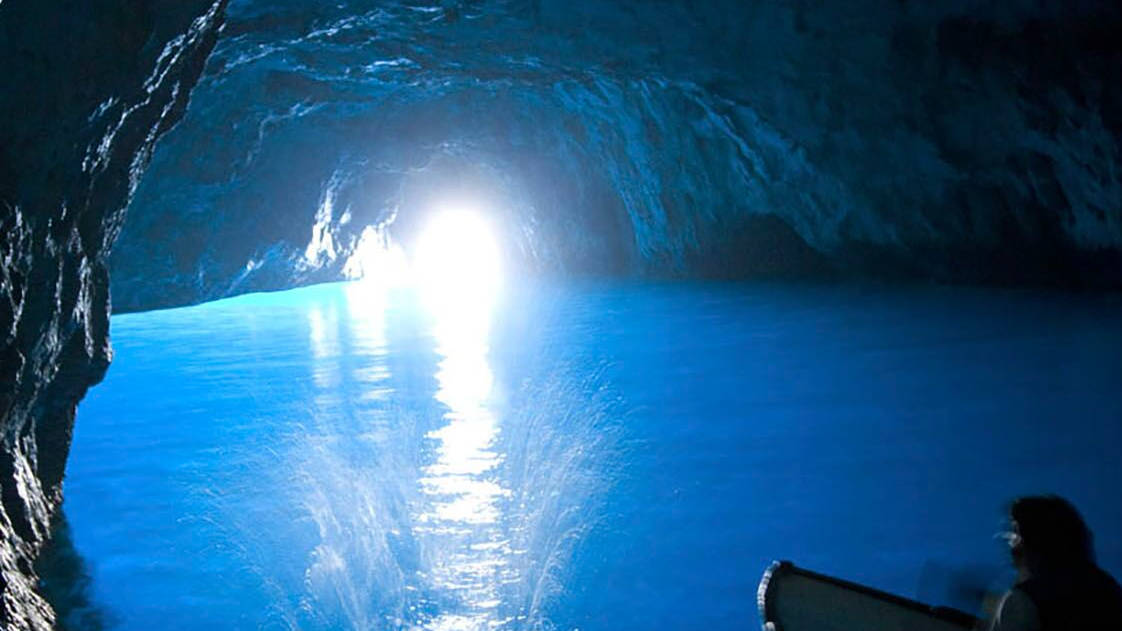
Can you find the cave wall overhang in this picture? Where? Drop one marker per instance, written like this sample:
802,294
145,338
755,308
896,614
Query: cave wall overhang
957,141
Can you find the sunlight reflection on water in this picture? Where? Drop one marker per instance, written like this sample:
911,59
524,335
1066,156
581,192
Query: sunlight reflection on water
455,522
461,522
347,457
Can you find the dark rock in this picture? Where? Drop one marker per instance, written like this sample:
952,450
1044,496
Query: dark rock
87,89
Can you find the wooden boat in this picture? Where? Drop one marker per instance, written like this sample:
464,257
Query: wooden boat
794,599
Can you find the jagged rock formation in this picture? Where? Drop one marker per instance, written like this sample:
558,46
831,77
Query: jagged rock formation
960,141
86,90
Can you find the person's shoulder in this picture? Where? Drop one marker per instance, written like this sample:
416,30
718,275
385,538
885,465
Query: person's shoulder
1016,612
1101,601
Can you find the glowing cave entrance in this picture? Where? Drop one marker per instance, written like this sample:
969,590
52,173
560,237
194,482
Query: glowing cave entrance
454,261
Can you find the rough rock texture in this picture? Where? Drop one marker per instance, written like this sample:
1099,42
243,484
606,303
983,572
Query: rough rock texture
86,90
961,141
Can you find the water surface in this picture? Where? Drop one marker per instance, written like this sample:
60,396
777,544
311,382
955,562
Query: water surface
585,457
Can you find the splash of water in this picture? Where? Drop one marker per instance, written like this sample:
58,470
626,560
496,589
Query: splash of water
458,514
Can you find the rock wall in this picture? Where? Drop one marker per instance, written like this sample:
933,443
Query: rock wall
961,141
86,90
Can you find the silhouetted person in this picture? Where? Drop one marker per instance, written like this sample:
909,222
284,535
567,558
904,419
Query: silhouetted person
1059,586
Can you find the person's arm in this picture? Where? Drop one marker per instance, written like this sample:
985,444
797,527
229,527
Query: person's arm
1016,613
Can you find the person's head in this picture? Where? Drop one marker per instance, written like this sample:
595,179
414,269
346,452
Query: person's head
1048,533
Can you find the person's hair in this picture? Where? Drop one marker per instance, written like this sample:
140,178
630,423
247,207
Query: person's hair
1052,530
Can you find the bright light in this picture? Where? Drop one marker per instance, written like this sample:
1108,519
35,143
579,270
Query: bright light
456,270
456,260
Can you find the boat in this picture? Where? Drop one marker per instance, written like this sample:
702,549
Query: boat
795,599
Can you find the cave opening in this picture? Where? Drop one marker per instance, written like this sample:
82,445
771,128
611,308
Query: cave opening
455,257
494,314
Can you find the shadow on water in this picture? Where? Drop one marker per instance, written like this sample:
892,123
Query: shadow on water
65,582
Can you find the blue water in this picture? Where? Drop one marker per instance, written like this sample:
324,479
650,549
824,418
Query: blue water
585,457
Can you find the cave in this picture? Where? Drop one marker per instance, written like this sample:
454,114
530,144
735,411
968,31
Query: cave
528,314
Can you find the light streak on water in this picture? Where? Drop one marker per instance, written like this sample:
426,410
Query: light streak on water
461,521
